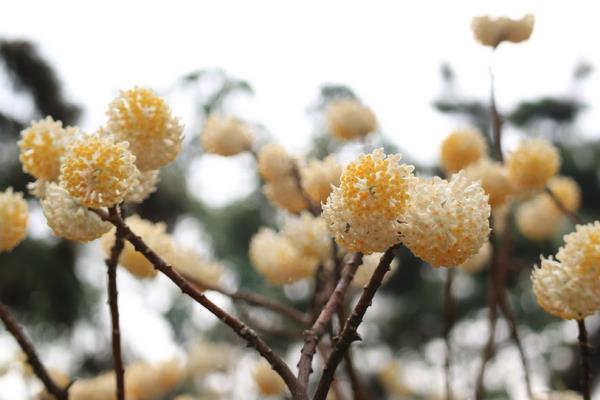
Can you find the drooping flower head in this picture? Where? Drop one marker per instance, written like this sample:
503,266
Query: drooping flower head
461,148
41,147
493,178
143,119
532,164
225,136
98,171
447,221
268,382
274,162
349,119
493,31
363,214
13,219
319,177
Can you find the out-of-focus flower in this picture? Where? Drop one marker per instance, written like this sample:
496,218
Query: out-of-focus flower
101,387
493,31
41,147
461,148
225,136
319,178
364,213
152,381
37,188
69,219
567,191
568,286
187,261
144,120
309,235
61,379
285,193
391,377
97,171
268,382
369,264
447,221
205,357
537,219
13,219
144,186
562,395
153,234
348,119
493,178
278,259
479,260
532,164
274,162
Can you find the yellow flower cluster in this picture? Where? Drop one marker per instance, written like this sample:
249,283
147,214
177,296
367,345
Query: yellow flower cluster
13,219
225,136
369,264
319,177
268,382
41,147
493,178
348,119
274,162
205,357
189,262
364,213
479,260
493,31
98,171
143,119
309,234
144,186
461,148
568,286
532,164
447,221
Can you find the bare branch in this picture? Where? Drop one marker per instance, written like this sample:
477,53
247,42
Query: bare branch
584,349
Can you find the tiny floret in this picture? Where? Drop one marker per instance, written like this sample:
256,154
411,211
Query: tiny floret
319,177
143,119
492,31
98,171
447,221
225,136
532,164
349,119
13,219
461,148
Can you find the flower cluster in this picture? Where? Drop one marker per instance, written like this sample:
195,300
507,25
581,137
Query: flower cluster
319,177
461,148
532,164
493,31
13,219
225,136
348,119
493,178
268,382
189,262
369,264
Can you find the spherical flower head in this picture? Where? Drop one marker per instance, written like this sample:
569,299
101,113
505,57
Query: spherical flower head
205,357
68,218
581,251
461,148
190,263
225,136
278,260
98,171
13,219
493,178
153,234
369,264
348,119
363,214
532,164
268,382
143,187
319,178
151,381
492,31
309,234
274,162
285,193
479,260
143,119
567,191
447,221
41,147
537,220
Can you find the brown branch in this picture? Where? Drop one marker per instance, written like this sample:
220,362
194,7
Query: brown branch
448,322
297,390
111,264
584,349
12,326
313,335
349,332
577,220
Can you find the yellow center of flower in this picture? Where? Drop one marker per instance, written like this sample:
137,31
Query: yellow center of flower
142,114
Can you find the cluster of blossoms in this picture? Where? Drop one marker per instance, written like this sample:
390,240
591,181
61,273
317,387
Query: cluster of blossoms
268,382
491,31
13,219
349,119
225,136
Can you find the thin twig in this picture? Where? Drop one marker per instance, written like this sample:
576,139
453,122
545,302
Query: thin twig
111,264
349,332
584,348
313,335
297,390
40,371
448,322
577,220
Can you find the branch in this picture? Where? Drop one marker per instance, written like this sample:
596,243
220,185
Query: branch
12,326
297,390
570,214
349,334
313,335
111,264
448,322
584,349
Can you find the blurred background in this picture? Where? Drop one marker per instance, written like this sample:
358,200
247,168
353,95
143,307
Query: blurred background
276,65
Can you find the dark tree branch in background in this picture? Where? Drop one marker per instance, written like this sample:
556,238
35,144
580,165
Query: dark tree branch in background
584,349
297,390
313,335
32,358
448,322
349,332
496,120
111,264
577,220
